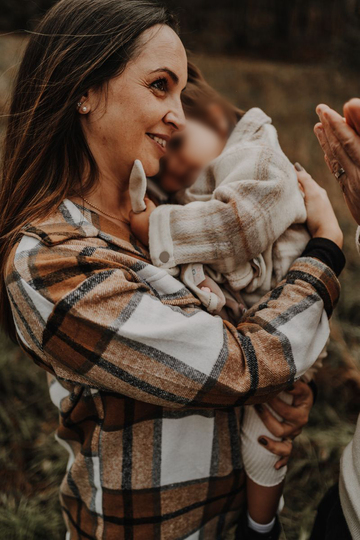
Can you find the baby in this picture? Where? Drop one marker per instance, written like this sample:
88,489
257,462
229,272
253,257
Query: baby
236,227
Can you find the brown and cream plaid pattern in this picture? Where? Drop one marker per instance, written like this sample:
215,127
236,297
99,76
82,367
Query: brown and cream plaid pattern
149,385
244,215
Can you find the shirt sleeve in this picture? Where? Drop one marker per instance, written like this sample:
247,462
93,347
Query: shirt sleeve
256,200
326,251
94,324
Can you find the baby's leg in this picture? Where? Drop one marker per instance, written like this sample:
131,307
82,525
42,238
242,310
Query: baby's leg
262,501
264,482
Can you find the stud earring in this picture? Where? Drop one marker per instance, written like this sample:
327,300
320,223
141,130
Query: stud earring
79,104
84,109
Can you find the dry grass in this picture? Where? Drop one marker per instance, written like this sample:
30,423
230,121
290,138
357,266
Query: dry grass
32,463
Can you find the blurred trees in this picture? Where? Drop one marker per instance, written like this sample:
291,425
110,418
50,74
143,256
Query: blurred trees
17,15
296,30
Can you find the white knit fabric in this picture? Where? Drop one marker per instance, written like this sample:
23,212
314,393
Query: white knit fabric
258,462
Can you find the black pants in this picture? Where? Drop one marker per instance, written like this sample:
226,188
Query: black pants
330,522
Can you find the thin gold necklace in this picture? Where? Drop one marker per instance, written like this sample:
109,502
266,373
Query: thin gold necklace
102,211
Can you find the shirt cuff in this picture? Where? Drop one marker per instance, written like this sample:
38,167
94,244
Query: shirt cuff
326,251
161,246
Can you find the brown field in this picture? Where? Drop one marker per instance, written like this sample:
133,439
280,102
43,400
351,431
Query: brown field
32,463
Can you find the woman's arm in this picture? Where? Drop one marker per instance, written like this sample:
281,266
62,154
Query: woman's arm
90,322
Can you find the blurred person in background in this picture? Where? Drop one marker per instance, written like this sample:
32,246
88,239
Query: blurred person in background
339,512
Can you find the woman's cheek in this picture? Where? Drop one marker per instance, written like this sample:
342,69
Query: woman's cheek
151,163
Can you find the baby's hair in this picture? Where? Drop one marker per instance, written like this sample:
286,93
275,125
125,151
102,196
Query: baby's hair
199,95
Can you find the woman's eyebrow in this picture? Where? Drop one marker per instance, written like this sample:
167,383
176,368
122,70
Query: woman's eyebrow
173,75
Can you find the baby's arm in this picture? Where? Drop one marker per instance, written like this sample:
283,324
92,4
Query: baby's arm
256,200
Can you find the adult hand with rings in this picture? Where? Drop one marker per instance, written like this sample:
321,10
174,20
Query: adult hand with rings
294,416
339,138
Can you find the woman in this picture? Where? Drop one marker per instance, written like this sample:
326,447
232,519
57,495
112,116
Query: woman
148,385
339,512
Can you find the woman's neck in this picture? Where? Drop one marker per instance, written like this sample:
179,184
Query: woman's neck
110,197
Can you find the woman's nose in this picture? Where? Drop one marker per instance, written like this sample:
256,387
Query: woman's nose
176,117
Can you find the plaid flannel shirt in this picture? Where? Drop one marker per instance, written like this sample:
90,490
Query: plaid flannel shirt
149,385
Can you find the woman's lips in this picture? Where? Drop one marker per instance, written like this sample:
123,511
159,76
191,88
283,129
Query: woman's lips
159,141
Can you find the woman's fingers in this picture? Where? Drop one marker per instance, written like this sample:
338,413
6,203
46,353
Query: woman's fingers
281,463
299,388
344,142
352,114
310,188
302,395
328,135
282,449
279,448
289,413
278,429
270,421
328,163
343,133
321,136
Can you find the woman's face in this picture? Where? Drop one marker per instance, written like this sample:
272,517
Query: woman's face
142,108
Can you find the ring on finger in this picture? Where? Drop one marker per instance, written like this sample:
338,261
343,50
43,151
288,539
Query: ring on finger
287,439
339,173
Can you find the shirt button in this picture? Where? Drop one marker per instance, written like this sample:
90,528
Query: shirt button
164,257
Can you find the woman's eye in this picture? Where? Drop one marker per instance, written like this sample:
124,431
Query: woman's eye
160,84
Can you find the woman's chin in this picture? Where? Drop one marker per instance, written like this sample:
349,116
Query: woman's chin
151,167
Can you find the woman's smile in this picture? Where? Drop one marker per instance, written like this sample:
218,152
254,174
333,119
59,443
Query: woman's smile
159,140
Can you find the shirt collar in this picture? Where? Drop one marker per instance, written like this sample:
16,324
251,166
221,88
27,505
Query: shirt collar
71,221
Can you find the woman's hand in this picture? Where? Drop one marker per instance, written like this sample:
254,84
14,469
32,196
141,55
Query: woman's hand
321,219
295,417
340,141
139,223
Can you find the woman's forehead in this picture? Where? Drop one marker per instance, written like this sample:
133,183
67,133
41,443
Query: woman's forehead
162,48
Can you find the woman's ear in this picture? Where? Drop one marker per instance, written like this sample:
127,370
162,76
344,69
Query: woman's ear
83,105
221,123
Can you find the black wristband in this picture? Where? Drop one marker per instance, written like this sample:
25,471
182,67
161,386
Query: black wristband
314,389
326,251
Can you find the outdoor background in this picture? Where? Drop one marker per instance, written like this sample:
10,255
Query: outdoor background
284,57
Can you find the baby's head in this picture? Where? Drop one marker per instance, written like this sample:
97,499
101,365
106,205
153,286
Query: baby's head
210,120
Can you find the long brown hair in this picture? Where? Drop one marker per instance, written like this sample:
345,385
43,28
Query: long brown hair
198,95
80,44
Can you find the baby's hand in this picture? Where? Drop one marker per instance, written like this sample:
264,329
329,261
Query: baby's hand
205,289
139,223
